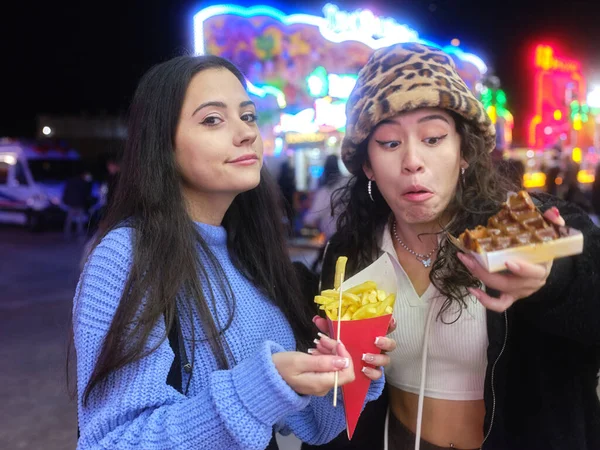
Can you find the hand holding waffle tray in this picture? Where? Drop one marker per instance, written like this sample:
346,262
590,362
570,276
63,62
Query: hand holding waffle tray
518,232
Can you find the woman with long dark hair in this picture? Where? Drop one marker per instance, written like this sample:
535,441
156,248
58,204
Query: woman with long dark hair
189,323
497,361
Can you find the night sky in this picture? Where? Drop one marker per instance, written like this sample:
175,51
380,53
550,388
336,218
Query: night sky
73,57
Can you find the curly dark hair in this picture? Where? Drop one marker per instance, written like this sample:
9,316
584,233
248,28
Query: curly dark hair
478,195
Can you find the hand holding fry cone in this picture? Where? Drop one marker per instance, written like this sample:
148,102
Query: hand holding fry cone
360,310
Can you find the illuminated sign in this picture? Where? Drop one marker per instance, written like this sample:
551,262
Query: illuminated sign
559,89
305,138
302,122
330,114
335,26
545,59
364,26
321,84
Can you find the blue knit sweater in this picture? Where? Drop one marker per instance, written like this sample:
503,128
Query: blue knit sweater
223,409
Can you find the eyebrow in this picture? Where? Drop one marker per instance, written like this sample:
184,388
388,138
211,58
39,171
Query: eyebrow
433,117
222,105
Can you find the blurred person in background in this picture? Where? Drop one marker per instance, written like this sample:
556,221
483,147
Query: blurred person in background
287,185
107,189
190,329
497,361
572,189
553,169
77,197
320,215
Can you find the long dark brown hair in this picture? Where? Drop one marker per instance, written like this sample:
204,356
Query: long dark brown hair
478,196
166,268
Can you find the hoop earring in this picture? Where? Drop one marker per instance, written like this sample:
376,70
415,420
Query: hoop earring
370,191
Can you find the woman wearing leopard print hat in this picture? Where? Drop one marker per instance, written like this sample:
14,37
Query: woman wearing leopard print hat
504,361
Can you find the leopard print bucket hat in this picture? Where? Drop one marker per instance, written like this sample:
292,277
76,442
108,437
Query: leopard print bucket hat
402,78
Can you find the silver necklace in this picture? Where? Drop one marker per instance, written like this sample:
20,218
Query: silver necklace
423,259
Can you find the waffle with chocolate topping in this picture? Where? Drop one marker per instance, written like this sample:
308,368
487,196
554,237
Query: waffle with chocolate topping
518,223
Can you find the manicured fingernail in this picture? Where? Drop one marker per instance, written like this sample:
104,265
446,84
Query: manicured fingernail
512,266
366,370
321,335
341,363
377,340
316,341
366,357
310,351
555,211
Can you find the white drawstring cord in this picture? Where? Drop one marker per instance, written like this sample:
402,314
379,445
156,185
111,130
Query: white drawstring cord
423,375
385,429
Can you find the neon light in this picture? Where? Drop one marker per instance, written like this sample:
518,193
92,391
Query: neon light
318,82
337,26
363,25
491,110
585,176
330,114
263,91
340,86
303,138
302,122
278,146
533,129
534,180
593,98
557,80
545,60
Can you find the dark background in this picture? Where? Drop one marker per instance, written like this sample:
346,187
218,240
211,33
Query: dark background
69,57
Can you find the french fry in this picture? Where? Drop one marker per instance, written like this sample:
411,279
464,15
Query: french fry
340,270
364,301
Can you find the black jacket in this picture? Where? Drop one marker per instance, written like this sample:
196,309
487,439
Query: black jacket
543,359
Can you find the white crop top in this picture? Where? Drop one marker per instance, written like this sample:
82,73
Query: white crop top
456,354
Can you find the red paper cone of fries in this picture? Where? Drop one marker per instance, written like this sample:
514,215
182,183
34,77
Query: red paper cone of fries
365,314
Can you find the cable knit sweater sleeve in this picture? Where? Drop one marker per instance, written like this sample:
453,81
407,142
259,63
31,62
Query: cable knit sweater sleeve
136,408
318,424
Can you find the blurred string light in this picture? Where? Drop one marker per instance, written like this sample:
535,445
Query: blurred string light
336,26
47,131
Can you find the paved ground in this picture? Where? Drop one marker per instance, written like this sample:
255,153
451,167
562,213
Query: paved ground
38,275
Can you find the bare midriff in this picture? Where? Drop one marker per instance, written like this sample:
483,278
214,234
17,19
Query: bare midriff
445,422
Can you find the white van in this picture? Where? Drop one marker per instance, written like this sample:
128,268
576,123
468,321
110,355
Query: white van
32,180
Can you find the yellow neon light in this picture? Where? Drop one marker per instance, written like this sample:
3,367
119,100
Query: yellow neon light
585,176
534,180
534,123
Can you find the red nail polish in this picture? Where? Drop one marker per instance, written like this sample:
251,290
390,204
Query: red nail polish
555,211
